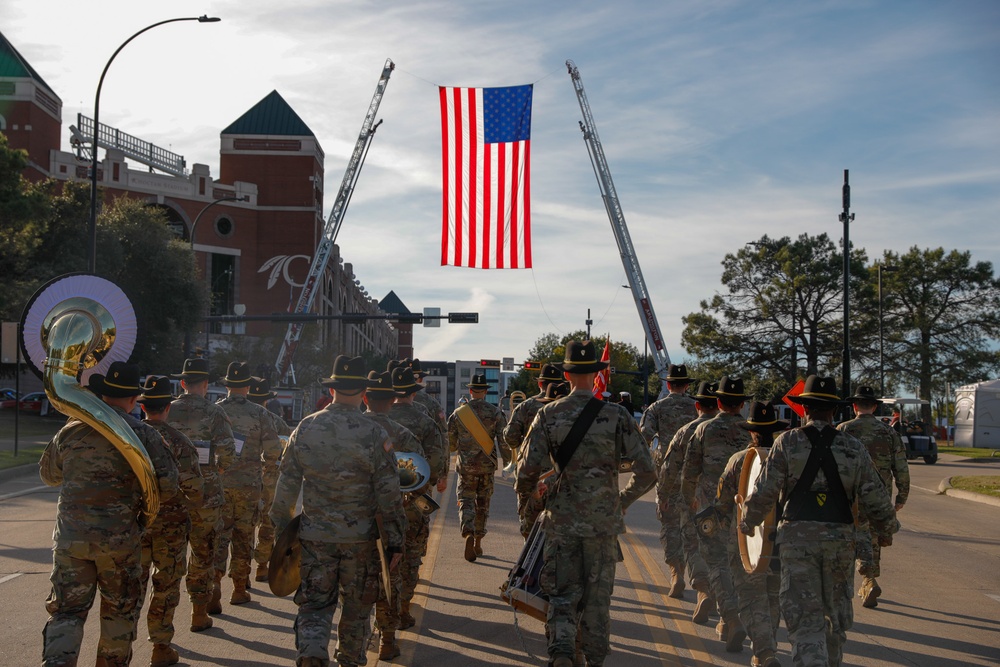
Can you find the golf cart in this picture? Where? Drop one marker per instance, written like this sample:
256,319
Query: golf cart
917,436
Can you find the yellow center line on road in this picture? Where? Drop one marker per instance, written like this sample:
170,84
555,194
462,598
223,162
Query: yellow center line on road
657,628
682,621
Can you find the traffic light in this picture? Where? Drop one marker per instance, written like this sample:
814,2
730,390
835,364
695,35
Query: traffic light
490,363
533,365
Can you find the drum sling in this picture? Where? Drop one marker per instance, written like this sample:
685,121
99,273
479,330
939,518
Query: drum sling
829,506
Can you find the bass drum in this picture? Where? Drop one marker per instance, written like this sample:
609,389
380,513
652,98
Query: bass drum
756,549
521,590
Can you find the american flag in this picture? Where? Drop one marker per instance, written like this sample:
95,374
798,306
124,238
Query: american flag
486,140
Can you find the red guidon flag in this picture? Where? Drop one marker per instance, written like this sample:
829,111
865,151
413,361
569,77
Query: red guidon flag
486,141
603,378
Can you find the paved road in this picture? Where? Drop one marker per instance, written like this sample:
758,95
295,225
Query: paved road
940,608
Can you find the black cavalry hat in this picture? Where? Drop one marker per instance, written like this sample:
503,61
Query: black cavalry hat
418,372
237,375
818,391
478,382
678,373
121,381
554,390
195,370
348,373
864,393
260,390
581,357
730,387
157,391
550,374
403,381
706,391
380,384
763,419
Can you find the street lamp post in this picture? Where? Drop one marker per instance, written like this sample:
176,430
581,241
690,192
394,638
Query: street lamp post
92,235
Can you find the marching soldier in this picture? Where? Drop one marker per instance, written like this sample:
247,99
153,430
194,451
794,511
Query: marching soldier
379,398
208,428
474,431
668,494
165,542
257,449
411,417
584,510
713,443
522,416
887,452
819,473
342,462
529,506
660,421
261,394
97,534
758,592
422,398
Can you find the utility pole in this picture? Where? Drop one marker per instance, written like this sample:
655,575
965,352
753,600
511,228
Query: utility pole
588,322
847,217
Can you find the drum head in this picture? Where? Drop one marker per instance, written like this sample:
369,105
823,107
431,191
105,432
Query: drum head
755,550
283,574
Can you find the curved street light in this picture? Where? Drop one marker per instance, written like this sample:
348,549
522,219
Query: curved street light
92,240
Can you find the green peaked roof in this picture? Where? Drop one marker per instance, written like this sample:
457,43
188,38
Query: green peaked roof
14,66
392,304
273,116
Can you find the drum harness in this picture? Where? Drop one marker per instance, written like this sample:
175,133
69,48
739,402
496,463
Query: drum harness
831,506
561,459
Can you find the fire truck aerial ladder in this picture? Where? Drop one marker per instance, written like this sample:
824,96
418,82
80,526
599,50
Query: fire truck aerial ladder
332,228
617,217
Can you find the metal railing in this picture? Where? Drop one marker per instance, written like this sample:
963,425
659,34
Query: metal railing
133,147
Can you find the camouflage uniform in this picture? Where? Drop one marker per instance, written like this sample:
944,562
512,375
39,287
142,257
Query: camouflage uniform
208,428
520,421
817,556
662,420
343,464
434,410
165,542
257,448
425,430
887,452
757,593
475,468
714,442
96,538
269,478
583,516
683,548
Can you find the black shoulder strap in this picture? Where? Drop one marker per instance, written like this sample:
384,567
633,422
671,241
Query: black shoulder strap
576,433
798,505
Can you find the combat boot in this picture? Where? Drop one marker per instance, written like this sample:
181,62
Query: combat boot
406,620
387,646
734,634
164,655
765,658
702,609
470,548
240,594
215,604
479,545
261,572
869,594
676,581
562,661
200,620
313,662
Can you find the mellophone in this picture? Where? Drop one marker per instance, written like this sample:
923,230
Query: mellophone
521,590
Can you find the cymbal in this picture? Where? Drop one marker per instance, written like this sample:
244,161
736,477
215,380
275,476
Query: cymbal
283,574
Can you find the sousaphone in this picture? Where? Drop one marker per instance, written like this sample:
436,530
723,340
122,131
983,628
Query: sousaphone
72,327
756,549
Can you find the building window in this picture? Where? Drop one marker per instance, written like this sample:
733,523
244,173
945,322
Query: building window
465,372
224,227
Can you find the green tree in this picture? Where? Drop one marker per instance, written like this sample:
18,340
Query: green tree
942,315
550,348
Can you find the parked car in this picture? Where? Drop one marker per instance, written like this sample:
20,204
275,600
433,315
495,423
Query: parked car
33,402
8,398
918,437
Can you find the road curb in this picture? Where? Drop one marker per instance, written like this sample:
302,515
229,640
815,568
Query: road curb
946,488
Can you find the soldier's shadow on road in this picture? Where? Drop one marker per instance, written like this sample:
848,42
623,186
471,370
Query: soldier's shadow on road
39,556
270,654
445,630
916,640
890,607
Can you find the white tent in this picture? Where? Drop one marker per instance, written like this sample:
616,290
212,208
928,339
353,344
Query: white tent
977,415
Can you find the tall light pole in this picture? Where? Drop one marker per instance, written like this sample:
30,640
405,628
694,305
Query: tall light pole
92,235
847,217
881,346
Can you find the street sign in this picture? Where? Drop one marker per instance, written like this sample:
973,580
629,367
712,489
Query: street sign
432,317
463,318
508,364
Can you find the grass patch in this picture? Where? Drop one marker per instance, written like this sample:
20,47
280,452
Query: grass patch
988,485
968,452
25,456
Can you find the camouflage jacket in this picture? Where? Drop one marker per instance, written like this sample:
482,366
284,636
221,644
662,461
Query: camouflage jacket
784,466
668,482
586,501
255,442
472,459
189,475
101,498
520,420
269,475
343,464
423,428
714,441
886,449
208,428
434,409
662,419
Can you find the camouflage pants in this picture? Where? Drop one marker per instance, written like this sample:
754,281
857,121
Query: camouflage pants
697,568
206,523
668,511
265,528
716,552
237,532
386,611
869,553
578,575
79,570
328,572
164,548
816,600
529,514
758,603
415,547
474,492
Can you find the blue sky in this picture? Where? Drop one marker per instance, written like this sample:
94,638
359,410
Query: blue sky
721,121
